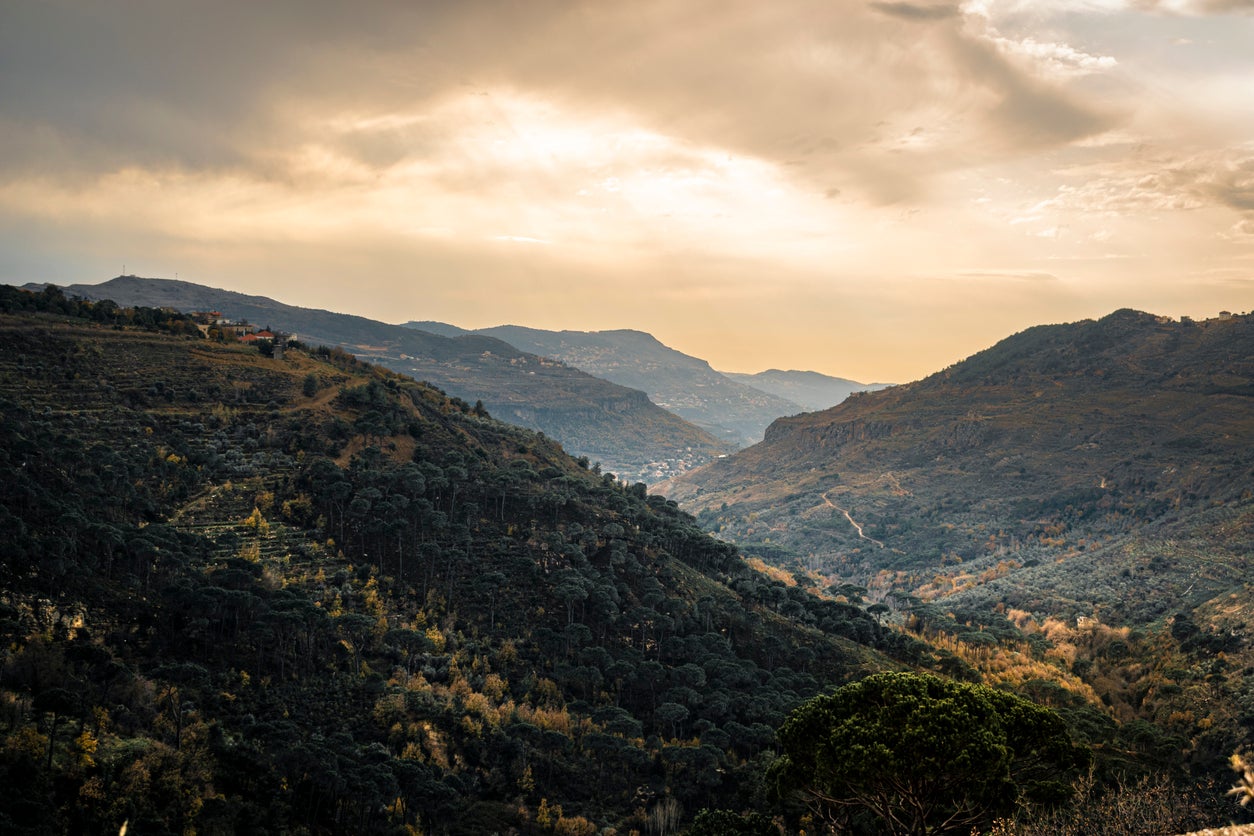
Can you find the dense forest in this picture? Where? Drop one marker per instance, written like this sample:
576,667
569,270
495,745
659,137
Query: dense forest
290,592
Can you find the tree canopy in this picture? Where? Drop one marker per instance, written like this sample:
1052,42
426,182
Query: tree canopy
922,754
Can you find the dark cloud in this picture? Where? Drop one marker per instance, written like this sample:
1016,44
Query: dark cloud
239,85
196,84
1026,112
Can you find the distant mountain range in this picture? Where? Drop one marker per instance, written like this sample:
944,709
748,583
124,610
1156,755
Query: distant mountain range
611,424
811,390
1100,466
733,407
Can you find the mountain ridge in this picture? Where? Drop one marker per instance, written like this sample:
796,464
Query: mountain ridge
814,391
688,386
1077,499
303,592
608,423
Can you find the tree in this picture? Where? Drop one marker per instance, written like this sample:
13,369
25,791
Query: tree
922,754
58,703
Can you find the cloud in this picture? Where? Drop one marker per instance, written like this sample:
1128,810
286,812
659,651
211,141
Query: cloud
827,89
1060,60
1025,111
198,84
1162,182
1195,8
1231,183
917,11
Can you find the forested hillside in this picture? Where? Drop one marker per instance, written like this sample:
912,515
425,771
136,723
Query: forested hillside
254,594
1056,443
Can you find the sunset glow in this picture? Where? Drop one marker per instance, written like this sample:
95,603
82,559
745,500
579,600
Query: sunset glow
872,190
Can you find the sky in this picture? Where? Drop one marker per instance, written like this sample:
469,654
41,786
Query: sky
873,190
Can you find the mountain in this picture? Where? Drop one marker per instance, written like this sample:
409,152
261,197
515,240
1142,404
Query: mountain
610,424
443,329
683,384
308,594
1087,445
812,390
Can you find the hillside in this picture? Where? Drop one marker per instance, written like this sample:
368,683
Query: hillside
1055,443
1073,486
812,390
306,594
610,424
686,385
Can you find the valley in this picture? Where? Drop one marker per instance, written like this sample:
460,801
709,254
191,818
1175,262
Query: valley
627,419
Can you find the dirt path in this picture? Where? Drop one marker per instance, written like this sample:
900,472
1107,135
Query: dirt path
828,502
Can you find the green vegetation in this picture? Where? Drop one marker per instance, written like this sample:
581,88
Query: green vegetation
923,754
